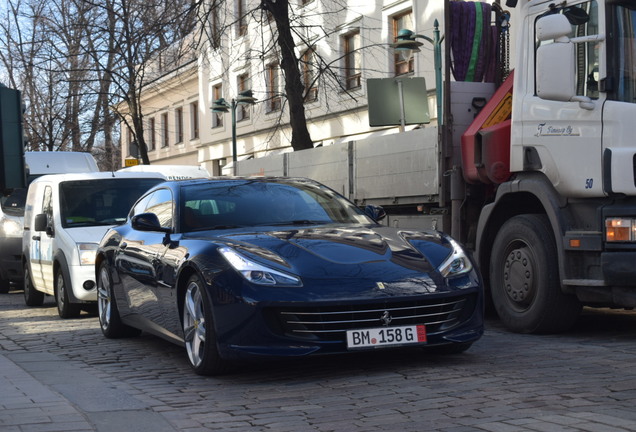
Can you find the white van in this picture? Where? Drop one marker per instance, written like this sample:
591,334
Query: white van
12,206
171,172
66,215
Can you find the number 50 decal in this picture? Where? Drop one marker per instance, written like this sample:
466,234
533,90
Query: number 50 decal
589,183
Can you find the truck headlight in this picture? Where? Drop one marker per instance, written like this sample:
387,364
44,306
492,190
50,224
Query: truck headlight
619,229
87,253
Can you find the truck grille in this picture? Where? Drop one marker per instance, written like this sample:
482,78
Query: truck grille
329,323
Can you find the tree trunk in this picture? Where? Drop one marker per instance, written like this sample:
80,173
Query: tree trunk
294,89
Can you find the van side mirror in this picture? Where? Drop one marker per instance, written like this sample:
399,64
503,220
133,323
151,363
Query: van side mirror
40,222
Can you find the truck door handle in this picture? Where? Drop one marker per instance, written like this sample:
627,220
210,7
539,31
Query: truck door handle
36,238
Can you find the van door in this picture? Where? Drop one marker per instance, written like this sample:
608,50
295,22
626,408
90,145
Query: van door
41,245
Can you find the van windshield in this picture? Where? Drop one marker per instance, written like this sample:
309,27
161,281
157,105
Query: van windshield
100,202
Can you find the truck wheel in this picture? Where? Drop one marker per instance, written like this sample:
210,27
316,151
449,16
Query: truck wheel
65,308
32,297
524,278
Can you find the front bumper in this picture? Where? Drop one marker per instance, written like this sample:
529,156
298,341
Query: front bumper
11,259
300,329
619,268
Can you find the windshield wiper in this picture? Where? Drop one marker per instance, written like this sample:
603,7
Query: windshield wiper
215,227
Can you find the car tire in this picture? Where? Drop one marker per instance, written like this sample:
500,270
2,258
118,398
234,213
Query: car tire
109,318
32,297
199,331
524,278
65,308
5,285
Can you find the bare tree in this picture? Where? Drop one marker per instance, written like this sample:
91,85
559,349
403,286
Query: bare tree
142,36
74,60
293,33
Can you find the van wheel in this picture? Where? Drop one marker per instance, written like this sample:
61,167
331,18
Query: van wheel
32,297
65,308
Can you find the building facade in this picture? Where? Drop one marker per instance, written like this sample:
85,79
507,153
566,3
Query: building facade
341,44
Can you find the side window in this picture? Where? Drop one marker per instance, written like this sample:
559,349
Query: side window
140,207
47,204
587,53
584,21
621,54
161,204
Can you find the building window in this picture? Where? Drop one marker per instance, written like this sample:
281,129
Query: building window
400,64
217,117
165,133
178,125
242,110
308,63
241,17
352,61
194,120
215,26
217,167
274,100
132,143
152,139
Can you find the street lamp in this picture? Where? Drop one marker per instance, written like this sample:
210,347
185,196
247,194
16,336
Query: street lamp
221,105
407,44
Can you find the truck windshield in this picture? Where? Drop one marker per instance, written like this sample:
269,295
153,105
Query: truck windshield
100,202
623,51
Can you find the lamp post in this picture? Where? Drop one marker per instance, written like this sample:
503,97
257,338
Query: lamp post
407,44
221,105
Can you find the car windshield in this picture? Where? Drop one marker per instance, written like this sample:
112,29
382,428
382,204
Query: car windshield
220,205
14,203
102,201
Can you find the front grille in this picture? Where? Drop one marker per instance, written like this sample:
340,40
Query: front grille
329,323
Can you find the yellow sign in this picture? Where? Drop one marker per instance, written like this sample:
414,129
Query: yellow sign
131,162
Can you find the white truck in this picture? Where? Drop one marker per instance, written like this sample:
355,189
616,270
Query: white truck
541,184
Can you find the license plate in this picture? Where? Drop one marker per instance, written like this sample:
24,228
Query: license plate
386,336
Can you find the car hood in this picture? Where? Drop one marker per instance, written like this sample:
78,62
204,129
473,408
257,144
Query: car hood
377,252
91,234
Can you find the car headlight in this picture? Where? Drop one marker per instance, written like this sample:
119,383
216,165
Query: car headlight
11,228
257,273
87,253
457,263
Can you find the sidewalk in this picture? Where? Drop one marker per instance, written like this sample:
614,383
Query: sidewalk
42,393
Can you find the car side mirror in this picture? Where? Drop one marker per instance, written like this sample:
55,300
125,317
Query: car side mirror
376,213
148,222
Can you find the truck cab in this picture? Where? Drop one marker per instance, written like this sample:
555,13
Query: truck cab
561,232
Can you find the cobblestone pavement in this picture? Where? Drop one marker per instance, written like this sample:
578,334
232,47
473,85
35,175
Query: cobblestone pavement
63,375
